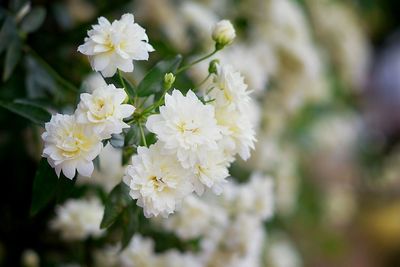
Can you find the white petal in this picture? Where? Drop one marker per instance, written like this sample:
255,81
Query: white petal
85,168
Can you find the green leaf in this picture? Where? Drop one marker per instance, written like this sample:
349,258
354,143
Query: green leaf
130,90
117,201
152,82
44,186
13,56
132,136
7,33
47,185
32,112
130,223
33,20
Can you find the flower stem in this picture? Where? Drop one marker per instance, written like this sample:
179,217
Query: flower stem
57,77
142,134
196,61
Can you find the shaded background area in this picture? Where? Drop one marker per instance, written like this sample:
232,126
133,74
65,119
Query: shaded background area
338,203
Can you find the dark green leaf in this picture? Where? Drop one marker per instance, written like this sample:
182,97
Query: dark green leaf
152,82
130,223
47,186
33,20
116,202
44,186
32,112
7,33
16,5
132,135
127,154
130,90
13,56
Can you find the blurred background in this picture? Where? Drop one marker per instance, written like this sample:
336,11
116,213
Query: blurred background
326,77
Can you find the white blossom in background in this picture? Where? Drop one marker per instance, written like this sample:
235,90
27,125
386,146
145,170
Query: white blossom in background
194,219
255,198
107,256
223,33
70,146
157,181
185,126
139,253
282,253
104,110
174,258
110,170
78,219
112,46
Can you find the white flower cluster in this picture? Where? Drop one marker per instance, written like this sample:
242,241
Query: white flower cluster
229,234
71,142
196,144
78,219
140,253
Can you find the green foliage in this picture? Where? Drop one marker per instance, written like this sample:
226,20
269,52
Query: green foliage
47,186
117,201
33,20
28,110
152,82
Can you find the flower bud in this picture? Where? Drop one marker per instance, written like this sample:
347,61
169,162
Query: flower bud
223,33
212,67
169,79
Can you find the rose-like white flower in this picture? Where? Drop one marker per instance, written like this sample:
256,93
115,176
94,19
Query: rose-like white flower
157,181
223,33
104,111
210,172
79,218
112,46
185,126
70,146
230,88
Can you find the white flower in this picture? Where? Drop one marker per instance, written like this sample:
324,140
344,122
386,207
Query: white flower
157,181
237,131
223,33
70,146
192,220
210,171
112,46
139,253
262,192
229,88
104,111
78,218
185,126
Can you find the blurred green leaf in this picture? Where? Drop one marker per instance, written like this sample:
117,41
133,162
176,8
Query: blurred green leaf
13,56
132,135
27,110
130,223
152,82
7,33
33,20
47,185
117,201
